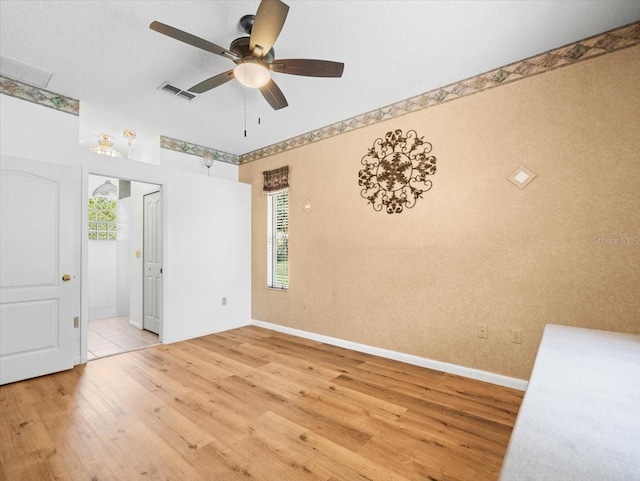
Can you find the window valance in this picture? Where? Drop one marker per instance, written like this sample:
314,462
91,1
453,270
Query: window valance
277,179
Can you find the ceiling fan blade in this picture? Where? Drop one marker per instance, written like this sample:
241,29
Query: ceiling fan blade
268,23
274,95
308,68
191,40
212,82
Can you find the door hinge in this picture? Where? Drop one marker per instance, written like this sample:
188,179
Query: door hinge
76,322
161,270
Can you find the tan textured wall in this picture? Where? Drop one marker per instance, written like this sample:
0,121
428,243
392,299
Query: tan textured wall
476,249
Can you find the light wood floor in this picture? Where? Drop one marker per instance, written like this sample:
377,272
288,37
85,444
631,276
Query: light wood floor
252,404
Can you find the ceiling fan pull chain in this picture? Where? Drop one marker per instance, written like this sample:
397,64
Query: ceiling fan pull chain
245,113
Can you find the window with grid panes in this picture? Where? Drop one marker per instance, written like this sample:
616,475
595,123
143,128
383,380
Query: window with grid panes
278,240
103,219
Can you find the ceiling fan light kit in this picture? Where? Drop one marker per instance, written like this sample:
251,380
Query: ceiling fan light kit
254,55
252,74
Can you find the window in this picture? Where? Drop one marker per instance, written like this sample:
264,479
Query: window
103,219
278,240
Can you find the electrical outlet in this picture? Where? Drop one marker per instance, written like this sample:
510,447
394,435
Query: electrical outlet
305,304
483,331
224,301
516,336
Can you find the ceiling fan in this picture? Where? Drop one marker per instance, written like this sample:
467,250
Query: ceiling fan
254,55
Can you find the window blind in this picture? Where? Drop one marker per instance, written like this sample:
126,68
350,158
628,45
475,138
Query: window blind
278,240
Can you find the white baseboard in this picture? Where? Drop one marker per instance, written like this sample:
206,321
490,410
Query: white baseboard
135,324
192,335
468,372
102,312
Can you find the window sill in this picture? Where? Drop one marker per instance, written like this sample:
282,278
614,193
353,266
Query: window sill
277,289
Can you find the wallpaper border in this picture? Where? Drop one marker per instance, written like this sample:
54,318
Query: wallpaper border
613,40
15,88
607,42
199,150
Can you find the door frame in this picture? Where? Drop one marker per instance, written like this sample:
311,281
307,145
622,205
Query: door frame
81,348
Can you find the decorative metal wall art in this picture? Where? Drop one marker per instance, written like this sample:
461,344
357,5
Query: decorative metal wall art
395,171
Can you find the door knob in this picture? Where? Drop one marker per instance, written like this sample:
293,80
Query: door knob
66,278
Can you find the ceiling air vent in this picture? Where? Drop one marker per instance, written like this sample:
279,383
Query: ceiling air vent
23,72
176,92
186,95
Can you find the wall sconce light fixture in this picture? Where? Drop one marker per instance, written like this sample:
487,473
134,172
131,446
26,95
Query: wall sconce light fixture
208,160
521,177
107,190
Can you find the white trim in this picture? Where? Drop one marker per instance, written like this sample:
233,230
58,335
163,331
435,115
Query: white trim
135,324
196,334
275,192
468,372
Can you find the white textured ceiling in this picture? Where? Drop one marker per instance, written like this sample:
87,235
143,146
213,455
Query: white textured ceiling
103,53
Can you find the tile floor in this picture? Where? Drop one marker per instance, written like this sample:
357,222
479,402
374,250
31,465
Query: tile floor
114,335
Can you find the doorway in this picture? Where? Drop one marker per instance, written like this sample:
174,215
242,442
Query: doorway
117,251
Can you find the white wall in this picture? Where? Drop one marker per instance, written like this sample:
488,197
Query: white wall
123,277
206,222
211,242
103,296
195,164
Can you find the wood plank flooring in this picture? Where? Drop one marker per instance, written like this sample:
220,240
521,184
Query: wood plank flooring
253,404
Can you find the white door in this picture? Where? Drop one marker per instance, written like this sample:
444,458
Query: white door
39,233
152,257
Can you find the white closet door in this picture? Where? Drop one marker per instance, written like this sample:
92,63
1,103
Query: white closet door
152,262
